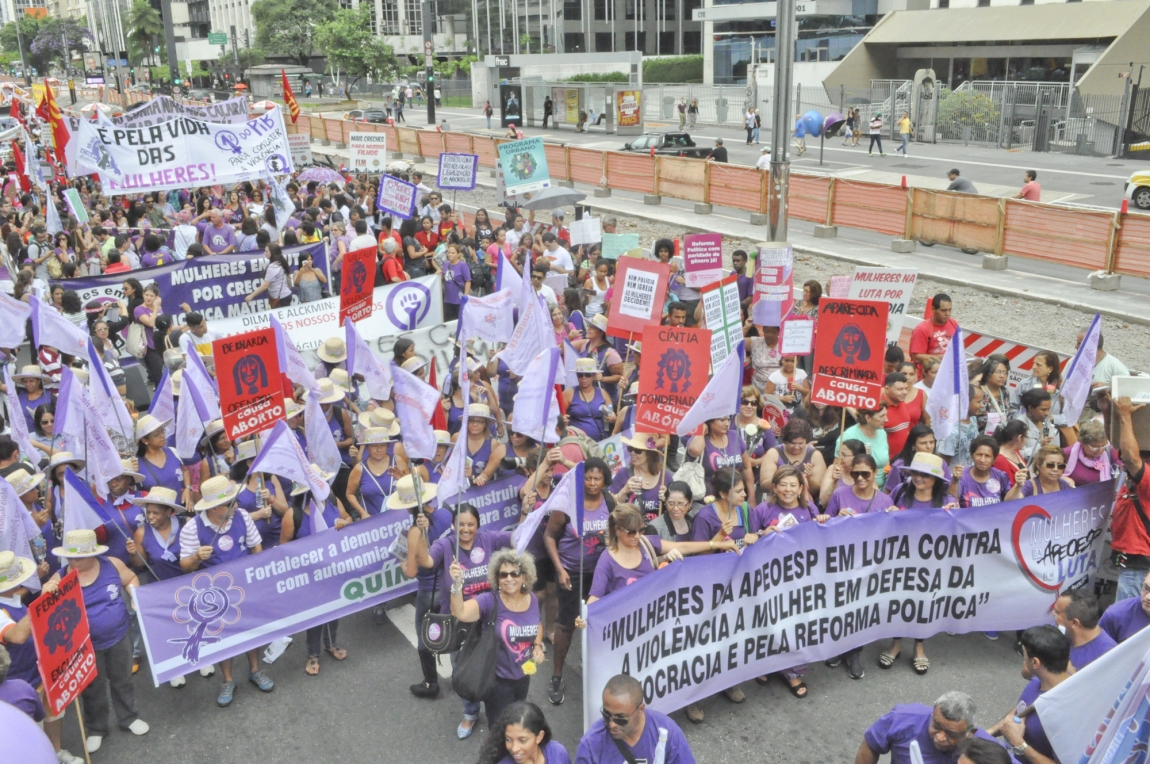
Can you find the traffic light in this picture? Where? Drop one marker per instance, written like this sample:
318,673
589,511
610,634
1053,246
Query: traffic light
156,50
176,81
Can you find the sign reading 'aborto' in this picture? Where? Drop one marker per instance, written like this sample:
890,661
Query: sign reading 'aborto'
849,349
251,393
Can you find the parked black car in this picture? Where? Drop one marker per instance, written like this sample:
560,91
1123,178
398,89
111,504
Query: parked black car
672,144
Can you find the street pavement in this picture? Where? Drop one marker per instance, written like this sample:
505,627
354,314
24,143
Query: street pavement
361,710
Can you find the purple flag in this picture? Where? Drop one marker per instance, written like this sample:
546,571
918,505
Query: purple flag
196,373
17,421
415,403
49,327
570,356
1079,376
81,509
17,528
13,316
281,455
533,334
164,401
292,363
536,413
107,399
360,360
321,447
191,419
68,427
719,399
567,497
506,277
490,317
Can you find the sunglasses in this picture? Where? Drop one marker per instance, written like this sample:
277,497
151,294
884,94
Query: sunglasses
1054,466
630,532
619,720
634,450
510,574
585,373
861,474
750,402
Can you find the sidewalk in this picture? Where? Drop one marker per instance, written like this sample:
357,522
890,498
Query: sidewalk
1024,279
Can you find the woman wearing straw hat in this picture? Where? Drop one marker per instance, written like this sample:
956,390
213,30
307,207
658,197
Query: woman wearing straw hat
372,480
221,532
483,452
16,636
159,464
589,408
32,393
341,379
103,580
598,348
384,419
481,392
333,353
158,540
645,481
216,449
261,495
338,419
27,487
308,518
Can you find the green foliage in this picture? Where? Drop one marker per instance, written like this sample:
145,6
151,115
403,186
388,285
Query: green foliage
145,32
351,47
607,77
447,69
673,69
250,57
29,26
290,27
971,109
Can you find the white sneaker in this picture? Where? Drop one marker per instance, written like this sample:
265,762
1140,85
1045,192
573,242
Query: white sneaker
208,670
64,756
139,727
93,743
178,682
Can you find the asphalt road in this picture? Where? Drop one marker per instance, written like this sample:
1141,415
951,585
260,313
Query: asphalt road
362,708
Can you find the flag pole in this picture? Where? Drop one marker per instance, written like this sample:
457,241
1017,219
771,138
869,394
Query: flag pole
83,733
663,475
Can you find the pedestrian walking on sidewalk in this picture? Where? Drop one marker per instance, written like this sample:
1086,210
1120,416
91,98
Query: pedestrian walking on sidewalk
682,113
799,137
905,132
749,124
487,112
693,114
876,135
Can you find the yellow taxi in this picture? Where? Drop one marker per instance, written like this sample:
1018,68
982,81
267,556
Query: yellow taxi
1138,190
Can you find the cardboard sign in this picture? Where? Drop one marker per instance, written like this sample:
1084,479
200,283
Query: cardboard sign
637,302
357,284
723,316
457,172
797,336
839,286
300,144
368,151
849,349
889,285
397,197
675,370
774,286
251,394
702,258
586,231
617,244
63,642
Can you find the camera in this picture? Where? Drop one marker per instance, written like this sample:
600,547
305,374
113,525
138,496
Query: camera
512,463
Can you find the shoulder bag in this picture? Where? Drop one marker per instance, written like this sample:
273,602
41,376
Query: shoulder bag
474,674
137,340
442,633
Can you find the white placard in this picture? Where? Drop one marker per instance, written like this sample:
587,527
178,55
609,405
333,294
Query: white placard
368,151
890,285
586,231
797,338
300,144
638,298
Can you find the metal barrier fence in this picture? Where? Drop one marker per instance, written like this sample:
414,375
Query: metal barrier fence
1099,241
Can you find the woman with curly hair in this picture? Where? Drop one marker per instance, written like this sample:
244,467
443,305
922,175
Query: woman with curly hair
522,736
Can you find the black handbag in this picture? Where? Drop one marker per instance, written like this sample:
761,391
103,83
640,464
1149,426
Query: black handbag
442,632
474,674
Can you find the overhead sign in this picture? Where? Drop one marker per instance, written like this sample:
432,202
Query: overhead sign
676,367
770,10
457,172
397,197
890,285
368,151
637,300
524,166
251,392
357,284
63,642
849,349
217,38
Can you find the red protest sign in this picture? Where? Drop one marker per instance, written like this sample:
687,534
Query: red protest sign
676,368
357,284
849,349
251,391
63,642
637,302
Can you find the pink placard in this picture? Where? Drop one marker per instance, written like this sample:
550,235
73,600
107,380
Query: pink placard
840,286
702,258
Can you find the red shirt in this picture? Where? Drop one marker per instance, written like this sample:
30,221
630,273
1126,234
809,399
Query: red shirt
1031,191
394,235
899,420
429,240
930,339
392,270
120,267
1129,533
1007,466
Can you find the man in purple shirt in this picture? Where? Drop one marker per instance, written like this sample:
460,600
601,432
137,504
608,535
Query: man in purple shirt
1126,618
1046,663
218,237
1077,612
937,732
628,725
17,692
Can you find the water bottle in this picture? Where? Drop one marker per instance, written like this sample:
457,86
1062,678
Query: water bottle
259,495
39,549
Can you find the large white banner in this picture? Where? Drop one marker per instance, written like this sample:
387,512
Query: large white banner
890,285
182,153
162,108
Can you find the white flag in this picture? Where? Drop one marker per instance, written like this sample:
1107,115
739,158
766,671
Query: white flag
49,327
291,362
191,419
719,399
536,412
52,217
107,399
17,528
13,317
81,510
360,360
506,277
280,200
567,497
950,396
533,333
197,374
453,478
570,356
79,428
322,450
318,521
281,455
415,403
17,422
1079,374
491,317
164,401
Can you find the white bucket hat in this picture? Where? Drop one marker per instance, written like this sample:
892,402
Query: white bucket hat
23,482
333,350
328,392
301,488
216,491
14,570
147,424
80,543
159,495
380,417
374,436
406,496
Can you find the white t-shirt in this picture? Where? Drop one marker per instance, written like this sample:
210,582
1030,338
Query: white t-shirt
514,237
190,343
183,237
549,296
363,241
764,162
563,258
782,384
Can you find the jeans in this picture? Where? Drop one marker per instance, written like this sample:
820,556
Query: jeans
1130,583
327,632
489,122
905,140
755,133
471,707
875,138
113,667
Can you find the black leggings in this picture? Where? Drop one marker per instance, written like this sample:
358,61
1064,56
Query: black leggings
504,693
153,361
875,138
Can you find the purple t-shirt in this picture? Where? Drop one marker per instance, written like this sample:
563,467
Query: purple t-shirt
1083,655
596,747
1124,619
707,524
611,576
769,514
517,633
894,731
144,310
571,547
553,753
474,562
454,278
844,498
647,500
217,239
1034,734
19,693
972,493
1031,487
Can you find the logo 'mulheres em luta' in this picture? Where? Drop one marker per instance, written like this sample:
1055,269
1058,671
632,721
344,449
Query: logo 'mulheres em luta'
1057,552
207,606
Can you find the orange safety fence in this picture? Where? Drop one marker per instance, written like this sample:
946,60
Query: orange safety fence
406,141
556,161
807,197
1080,238
1132,246
430,143
485,148
457,143
734,186
587,165
871,206
631,172
961,220
316,128
681,178
333,130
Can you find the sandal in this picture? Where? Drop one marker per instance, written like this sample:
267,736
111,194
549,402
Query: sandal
764,679
798,690
336,652
312,667
921,665
886,660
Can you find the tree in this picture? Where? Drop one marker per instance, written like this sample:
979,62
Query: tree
145,32
968,109
351,46
250,57
58,39
290,26
29,27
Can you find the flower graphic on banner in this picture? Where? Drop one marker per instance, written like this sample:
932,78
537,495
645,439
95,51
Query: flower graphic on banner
207,606
523,166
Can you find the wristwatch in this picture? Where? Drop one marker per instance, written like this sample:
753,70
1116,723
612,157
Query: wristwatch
1018,750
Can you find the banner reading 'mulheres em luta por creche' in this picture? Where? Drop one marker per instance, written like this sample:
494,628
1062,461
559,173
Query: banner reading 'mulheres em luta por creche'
814,591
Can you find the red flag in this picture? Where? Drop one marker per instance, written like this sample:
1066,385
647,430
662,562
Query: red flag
21,168
289,98
42,109
17,114
438,419
59,128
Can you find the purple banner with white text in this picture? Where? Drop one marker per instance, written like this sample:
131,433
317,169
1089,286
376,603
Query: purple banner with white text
204,617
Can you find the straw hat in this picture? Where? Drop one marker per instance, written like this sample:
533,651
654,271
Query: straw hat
340,379
214,428
291,408
374,436
406,497
644,440
29,372
586,366
333,350
80,543
159,495
479,411
443,438
177,378
599,321
302,488
216,491
24,482
126,469
929,464
65,457
382,418
147,424
81,375
328,392
14,570
413,364
246,450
